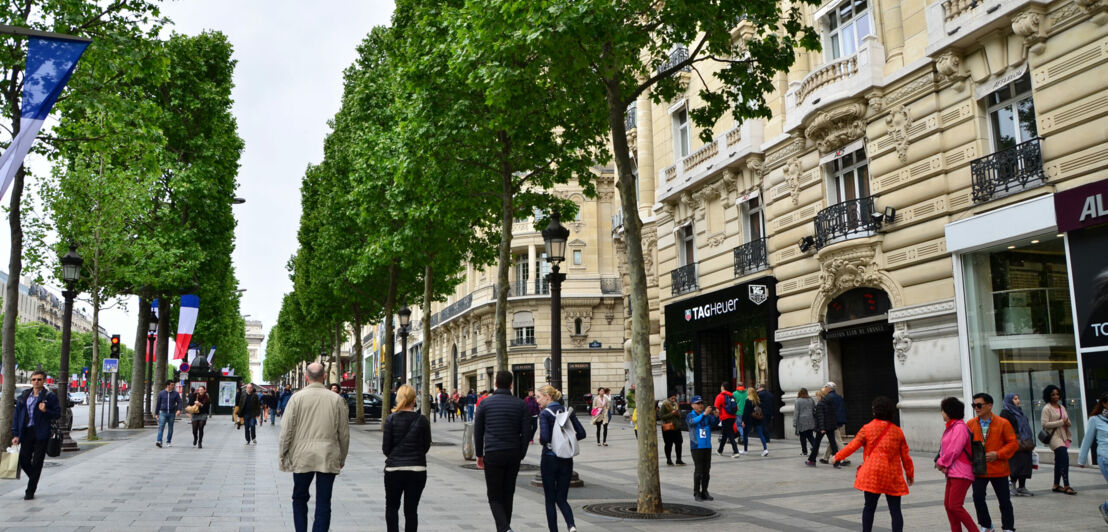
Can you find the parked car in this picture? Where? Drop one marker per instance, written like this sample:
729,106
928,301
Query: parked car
370,403
619,404
78,398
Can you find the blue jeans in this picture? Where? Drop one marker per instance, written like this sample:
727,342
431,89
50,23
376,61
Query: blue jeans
251,430
760,429
1103,463
323,484
166,418
556,474
469,412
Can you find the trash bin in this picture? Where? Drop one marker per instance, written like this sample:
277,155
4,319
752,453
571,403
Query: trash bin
467,442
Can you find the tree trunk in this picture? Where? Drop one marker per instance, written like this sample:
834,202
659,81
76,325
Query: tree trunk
359,386
93,367
390,342
425,369
11,308
507,215
650,491
162,346
138,367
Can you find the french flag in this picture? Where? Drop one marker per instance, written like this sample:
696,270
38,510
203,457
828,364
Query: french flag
186,323
50,62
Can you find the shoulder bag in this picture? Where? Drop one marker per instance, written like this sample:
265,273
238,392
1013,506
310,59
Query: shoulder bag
1045,436
54,443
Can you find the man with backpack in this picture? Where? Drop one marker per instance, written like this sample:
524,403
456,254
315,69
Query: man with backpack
728,411
700,422
559,432
1000,444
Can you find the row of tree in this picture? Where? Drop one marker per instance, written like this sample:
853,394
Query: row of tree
143,160
464,114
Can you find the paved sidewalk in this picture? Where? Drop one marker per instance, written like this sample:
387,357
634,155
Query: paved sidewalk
128,484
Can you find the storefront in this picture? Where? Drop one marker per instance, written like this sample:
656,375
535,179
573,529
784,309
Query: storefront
723,336
1016,272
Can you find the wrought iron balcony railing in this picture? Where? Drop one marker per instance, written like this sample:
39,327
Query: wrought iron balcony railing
684,279
534,287
678,55
453,310
751,257
530,340
610,285
849,219
630,118
1007,171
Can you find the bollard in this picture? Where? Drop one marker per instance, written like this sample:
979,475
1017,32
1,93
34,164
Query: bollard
467,442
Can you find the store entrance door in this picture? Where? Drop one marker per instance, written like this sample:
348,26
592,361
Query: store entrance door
578,381
717,363
868,371
523,378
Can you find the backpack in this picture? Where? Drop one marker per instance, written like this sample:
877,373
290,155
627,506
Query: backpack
729,404
757,413
976,455
563,438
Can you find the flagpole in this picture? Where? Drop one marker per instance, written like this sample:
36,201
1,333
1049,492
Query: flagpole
19,30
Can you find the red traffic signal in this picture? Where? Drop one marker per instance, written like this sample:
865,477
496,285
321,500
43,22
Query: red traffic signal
115,346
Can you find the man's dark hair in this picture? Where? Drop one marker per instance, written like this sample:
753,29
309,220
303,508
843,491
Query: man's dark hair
988,398
953,408
169,382
883,408
39,372
503,379
725,385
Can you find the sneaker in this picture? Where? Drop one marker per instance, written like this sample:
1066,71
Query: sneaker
809,463
255,442
572,529
696,497
838,465
983,529
742,452
704,495
1103,511
1025,492
765,452
720,452
735,455
158,443
169,444
823,461
247,444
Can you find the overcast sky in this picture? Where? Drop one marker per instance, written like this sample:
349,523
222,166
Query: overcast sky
288,83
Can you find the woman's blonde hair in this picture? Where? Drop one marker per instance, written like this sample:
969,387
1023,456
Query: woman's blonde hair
405,398
820,394
752,396
551,392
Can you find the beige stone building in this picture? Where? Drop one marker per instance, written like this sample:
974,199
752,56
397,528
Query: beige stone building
255,335
893,227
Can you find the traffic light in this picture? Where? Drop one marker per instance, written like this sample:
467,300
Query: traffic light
115,346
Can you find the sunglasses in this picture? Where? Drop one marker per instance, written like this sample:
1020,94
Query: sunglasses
36,380
978,406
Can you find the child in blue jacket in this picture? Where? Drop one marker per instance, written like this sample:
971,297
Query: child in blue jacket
700,422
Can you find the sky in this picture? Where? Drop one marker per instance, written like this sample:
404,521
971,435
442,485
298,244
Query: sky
288,83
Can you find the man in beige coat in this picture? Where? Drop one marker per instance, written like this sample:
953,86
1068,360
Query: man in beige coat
315,437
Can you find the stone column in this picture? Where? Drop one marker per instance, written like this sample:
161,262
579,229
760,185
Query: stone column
532,273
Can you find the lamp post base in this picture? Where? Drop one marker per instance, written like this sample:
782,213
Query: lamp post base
68,445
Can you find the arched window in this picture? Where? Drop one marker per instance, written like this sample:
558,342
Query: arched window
577,326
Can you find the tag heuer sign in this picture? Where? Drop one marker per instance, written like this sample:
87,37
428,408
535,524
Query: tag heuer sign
757,293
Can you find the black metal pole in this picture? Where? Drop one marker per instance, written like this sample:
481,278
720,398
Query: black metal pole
63,369
555,279
403,355
148,414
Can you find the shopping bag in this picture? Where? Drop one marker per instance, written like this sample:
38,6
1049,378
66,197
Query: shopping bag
9,463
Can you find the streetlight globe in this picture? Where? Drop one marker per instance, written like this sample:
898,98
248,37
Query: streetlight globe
71,265
405,315
555,236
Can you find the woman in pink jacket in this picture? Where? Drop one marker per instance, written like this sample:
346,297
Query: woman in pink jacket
954,462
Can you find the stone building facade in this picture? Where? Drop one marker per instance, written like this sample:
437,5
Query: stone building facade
817,245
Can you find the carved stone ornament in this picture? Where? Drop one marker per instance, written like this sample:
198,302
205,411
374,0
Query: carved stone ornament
605,187
836,127
570,318
757,168
792,179
815,354
649,248
1029,25
902,343
716,239
898,121
1097,8
875,101
848,269
610,310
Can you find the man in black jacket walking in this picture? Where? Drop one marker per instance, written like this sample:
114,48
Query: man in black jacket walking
501,430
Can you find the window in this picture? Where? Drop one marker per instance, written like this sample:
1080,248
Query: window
522,268
577,327
846,26
754,224
577,257
849,177
681,141
525,336
686,245
1012,114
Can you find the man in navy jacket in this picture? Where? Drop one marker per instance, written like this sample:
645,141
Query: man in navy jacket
501,430
34,410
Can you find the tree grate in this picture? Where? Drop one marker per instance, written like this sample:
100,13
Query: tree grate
670,512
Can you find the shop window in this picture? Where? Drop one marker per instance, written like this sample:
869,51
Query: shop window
1012,114
686,245
846,26
1020,324
681,140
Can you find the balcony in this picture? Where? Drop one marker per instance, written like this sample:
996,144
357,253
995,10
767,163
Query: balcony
1007,171
683,279
846,220
514,342
453,310
676,56
610,285
751,257
630,118
835,82
534,287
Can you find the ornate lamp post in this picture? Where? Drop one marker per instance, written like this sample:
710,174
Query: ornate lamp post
71,273
405,316
151,337
555,236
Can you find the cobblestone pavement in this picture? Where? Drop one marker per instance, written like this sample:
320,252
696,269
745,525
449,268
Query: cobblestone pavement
125,483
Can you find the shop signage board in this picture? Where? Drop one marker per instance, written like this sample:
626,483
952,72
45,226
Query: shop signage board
1089,275
1084,206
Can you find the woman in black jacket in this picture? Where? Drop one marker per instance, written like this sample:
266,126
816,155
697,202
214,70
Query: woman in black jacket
405,442
826,422
203,404
556,472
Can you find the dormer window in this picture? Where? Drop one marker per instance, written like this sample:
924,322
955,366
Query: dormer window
847,25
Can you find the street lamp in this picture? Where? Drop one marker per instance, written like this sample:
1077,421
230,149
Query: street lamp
555,236
405,316
71,273
148,387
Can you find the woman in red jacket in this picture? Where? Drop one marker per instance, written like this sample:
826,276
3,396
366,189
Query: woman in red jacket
881,472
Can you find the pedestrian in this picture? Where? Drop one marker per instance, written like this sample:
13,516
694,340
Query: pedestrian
471,405
1000,444
455,404
826,423
838,410
556,471
167,408
444,402
669,414
728,412
500,434
1096,430
804,420
249,409
601,414
272,400
753,420
201,403
954,462
1056,421
630,398
533,409
769,408
405,442
35,408
700,422
740,400
885,464
284,400
1019,466
315,437
264,405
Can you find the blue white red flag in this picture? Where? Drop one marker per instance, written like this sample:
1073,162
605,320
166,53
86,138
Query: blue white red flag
50,62
211,355
186,323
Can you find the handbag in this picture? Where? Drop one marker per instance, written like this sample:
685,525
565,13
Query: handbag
595,412
192,409
668,426
1045,436
9,463
54,443
1027,445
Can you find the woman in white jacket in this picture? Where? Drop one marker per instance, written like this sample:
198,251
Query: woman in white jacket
601,408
